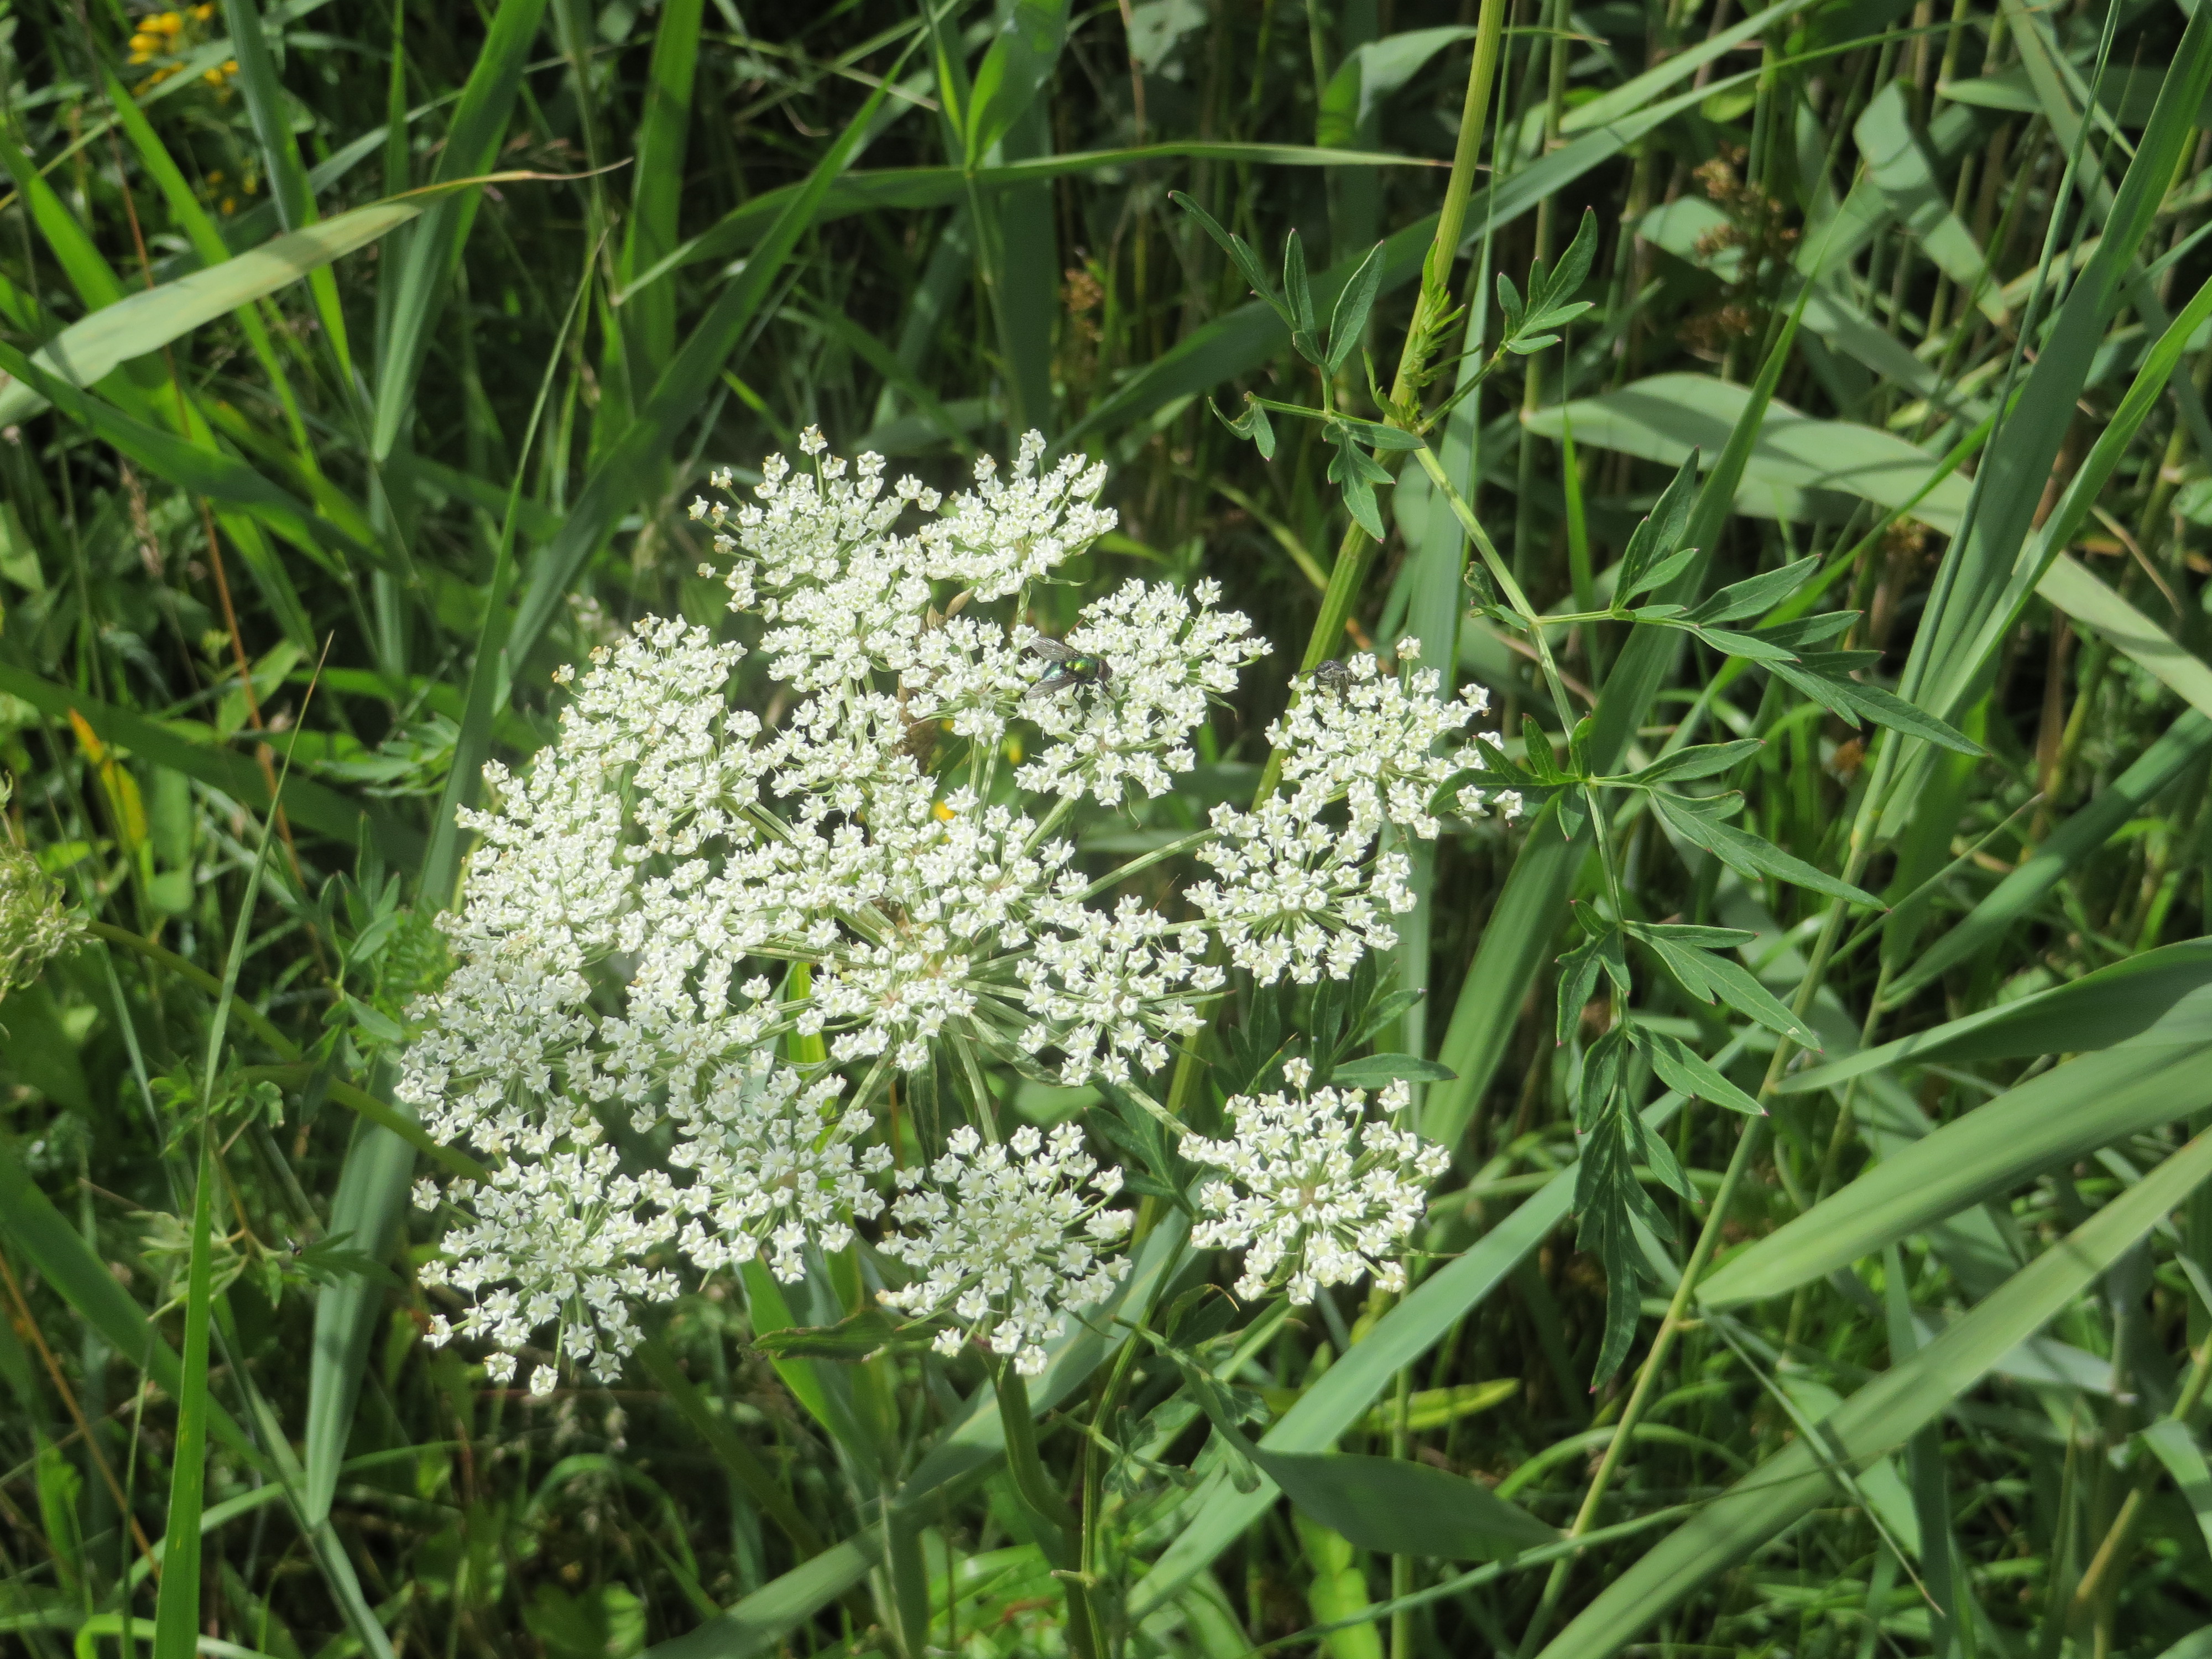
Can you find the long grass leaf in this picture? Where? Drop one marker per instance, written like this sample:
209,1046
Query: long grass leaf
1877,1419
425,264
2042,1124
657,187
2064,850
306,804
176,1615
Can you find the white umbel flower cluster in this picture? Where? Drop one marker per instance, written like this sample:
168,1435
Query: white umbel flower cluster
569,1233
1005,1238
1313,1191
729,927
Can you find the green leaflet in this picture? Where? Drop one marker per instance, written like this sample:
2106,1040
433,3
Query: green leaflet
1248,337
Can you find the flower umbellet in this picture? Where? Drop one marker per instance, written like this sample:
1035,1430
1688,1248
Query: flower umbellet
683,892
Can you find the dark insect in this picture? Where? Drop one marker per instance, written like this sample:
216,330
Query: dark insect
1330,676
1068,667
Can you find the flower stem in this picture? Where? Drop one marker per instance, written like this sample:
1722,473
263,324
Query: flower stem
1058,1533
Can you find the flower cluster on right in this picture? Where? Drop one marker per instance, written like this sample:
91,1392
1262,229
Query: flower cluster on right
706,947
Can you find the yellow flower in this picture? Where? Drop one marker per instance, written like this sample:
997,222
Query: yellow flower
143,45
168,22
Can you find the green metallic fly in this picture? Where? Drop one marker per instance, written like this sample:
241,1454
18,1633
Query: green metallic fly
1068,667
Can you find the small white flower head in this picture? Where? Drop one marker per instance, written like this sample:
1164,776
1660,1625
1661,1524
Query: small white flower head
1005,534
959,903
1373,741
776,1169
1112,990
562,1243
1313,1191
1004,1239
1166,653
1294,896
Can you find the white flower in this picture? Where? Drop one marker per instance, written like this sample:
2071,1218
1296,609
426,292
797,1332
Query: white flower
558,1243
1004,1238
1313,1193
1296,897
1003,536
773,1161
688,878
1372,741
1108,989
1164,655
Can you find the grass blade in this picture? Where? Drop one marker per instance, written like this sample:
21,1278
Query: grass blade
425,261
1879,1418
2064,850
620,480
2049,1120
306,804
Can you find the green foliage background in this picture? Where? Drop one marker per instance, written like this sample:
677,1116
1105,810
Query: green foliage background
319,451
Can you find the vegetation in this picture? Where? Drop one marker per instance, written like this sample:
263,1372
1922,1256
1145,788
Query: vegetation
1794,422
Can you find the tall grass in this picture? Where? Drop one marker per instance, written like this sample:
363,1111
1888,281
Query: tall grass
378,348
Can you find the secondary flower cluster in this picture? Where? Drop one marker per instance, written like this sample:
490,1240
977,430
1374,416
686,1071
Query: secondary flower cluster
1313,1192
738,933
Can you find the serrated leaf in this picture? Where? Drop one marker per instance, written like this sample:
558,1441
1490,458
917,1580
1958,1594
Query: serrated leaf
1299,293
1239,252
1574,267
1748,646
1706,974
1349,321
1858,703
1578,972
1509,302
1658,575
1558,316
1684,932
1746,853
1352,471
1253,423
1376,435
1680,1066
1756,593
1659,531
1537,755
1812,630
1608,1199
1700,760
1661,1157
